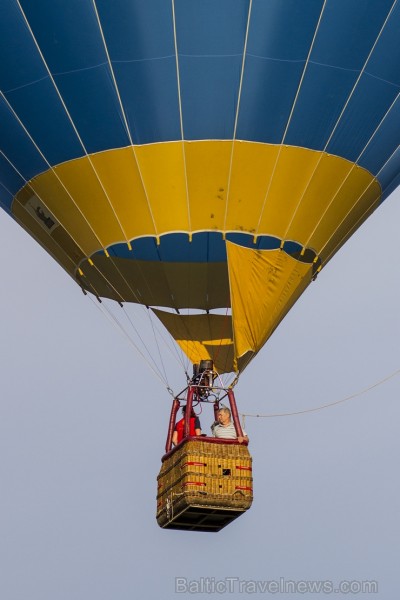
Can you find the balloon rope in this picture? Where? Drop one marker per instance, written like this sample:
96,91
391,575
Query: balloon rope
140,338
158,347
323,406
179,355
173,348
107,313
224,335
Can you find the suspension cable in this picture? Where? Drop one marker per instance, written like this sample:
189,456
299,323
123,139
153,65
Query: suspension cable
114,321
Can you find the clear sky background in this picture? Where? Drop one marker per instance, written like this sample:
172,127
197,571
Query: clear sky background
83,425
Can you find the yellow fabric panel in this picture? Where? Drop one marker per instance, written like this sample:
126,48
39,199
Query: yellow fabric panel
221,354
202,337
264,286
119,173
282,185
299,196
297,201
292,173
83,185
315,195
252,167
52,194
357,196
335,188
163,172
207,168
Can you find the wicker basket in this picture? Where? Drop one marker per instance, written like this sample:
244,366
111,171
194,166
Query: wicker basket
204,484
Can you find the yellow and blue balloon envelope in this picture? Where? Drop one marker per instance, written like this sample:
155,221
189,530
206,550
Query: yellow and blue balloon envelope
198,154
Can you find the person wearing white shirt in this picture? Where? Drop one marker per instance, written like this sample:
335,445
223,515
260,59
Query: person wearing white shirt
225,429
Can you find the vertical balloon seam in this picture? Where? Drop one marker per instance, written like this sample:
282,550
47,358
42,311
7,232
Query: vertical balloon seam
228,186
291,113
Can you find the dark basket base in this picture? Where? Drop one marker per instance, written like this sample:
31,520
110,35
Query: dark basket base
200,518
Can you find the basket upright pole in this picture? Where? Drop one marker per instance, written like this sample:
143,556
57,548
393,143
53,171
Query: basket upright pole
235,414
171,427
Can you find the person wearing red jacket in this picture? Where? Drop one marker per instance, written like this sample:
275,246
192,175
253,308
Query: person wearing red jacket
195,427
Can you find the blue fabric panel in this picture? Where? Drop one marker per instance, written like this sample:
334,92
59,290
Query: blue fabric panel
323,94
5,199
94,108
10,182
384,143
205,247
368,105
140,41
67,33
273,66
142,247
175,247
20,63
269,87
210,28
347,32
389,176
210,47
387,46
149,93
216,247
241,239
39,105
268,243
17,146
333,69
391,186
291,247
70,39
282,30
209,91
137,29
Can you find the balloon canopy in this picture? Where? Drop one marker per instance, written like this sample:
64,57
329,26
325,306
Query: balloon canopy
198,154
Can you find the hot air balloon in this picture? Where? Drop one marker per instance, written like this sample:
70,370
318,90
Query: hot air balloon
204,159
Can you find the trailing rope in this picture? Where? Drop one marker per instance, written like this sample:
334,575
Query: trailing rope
317,408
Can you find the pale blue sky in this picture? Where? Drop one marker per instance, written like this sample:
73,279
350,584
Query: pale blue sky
83,425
